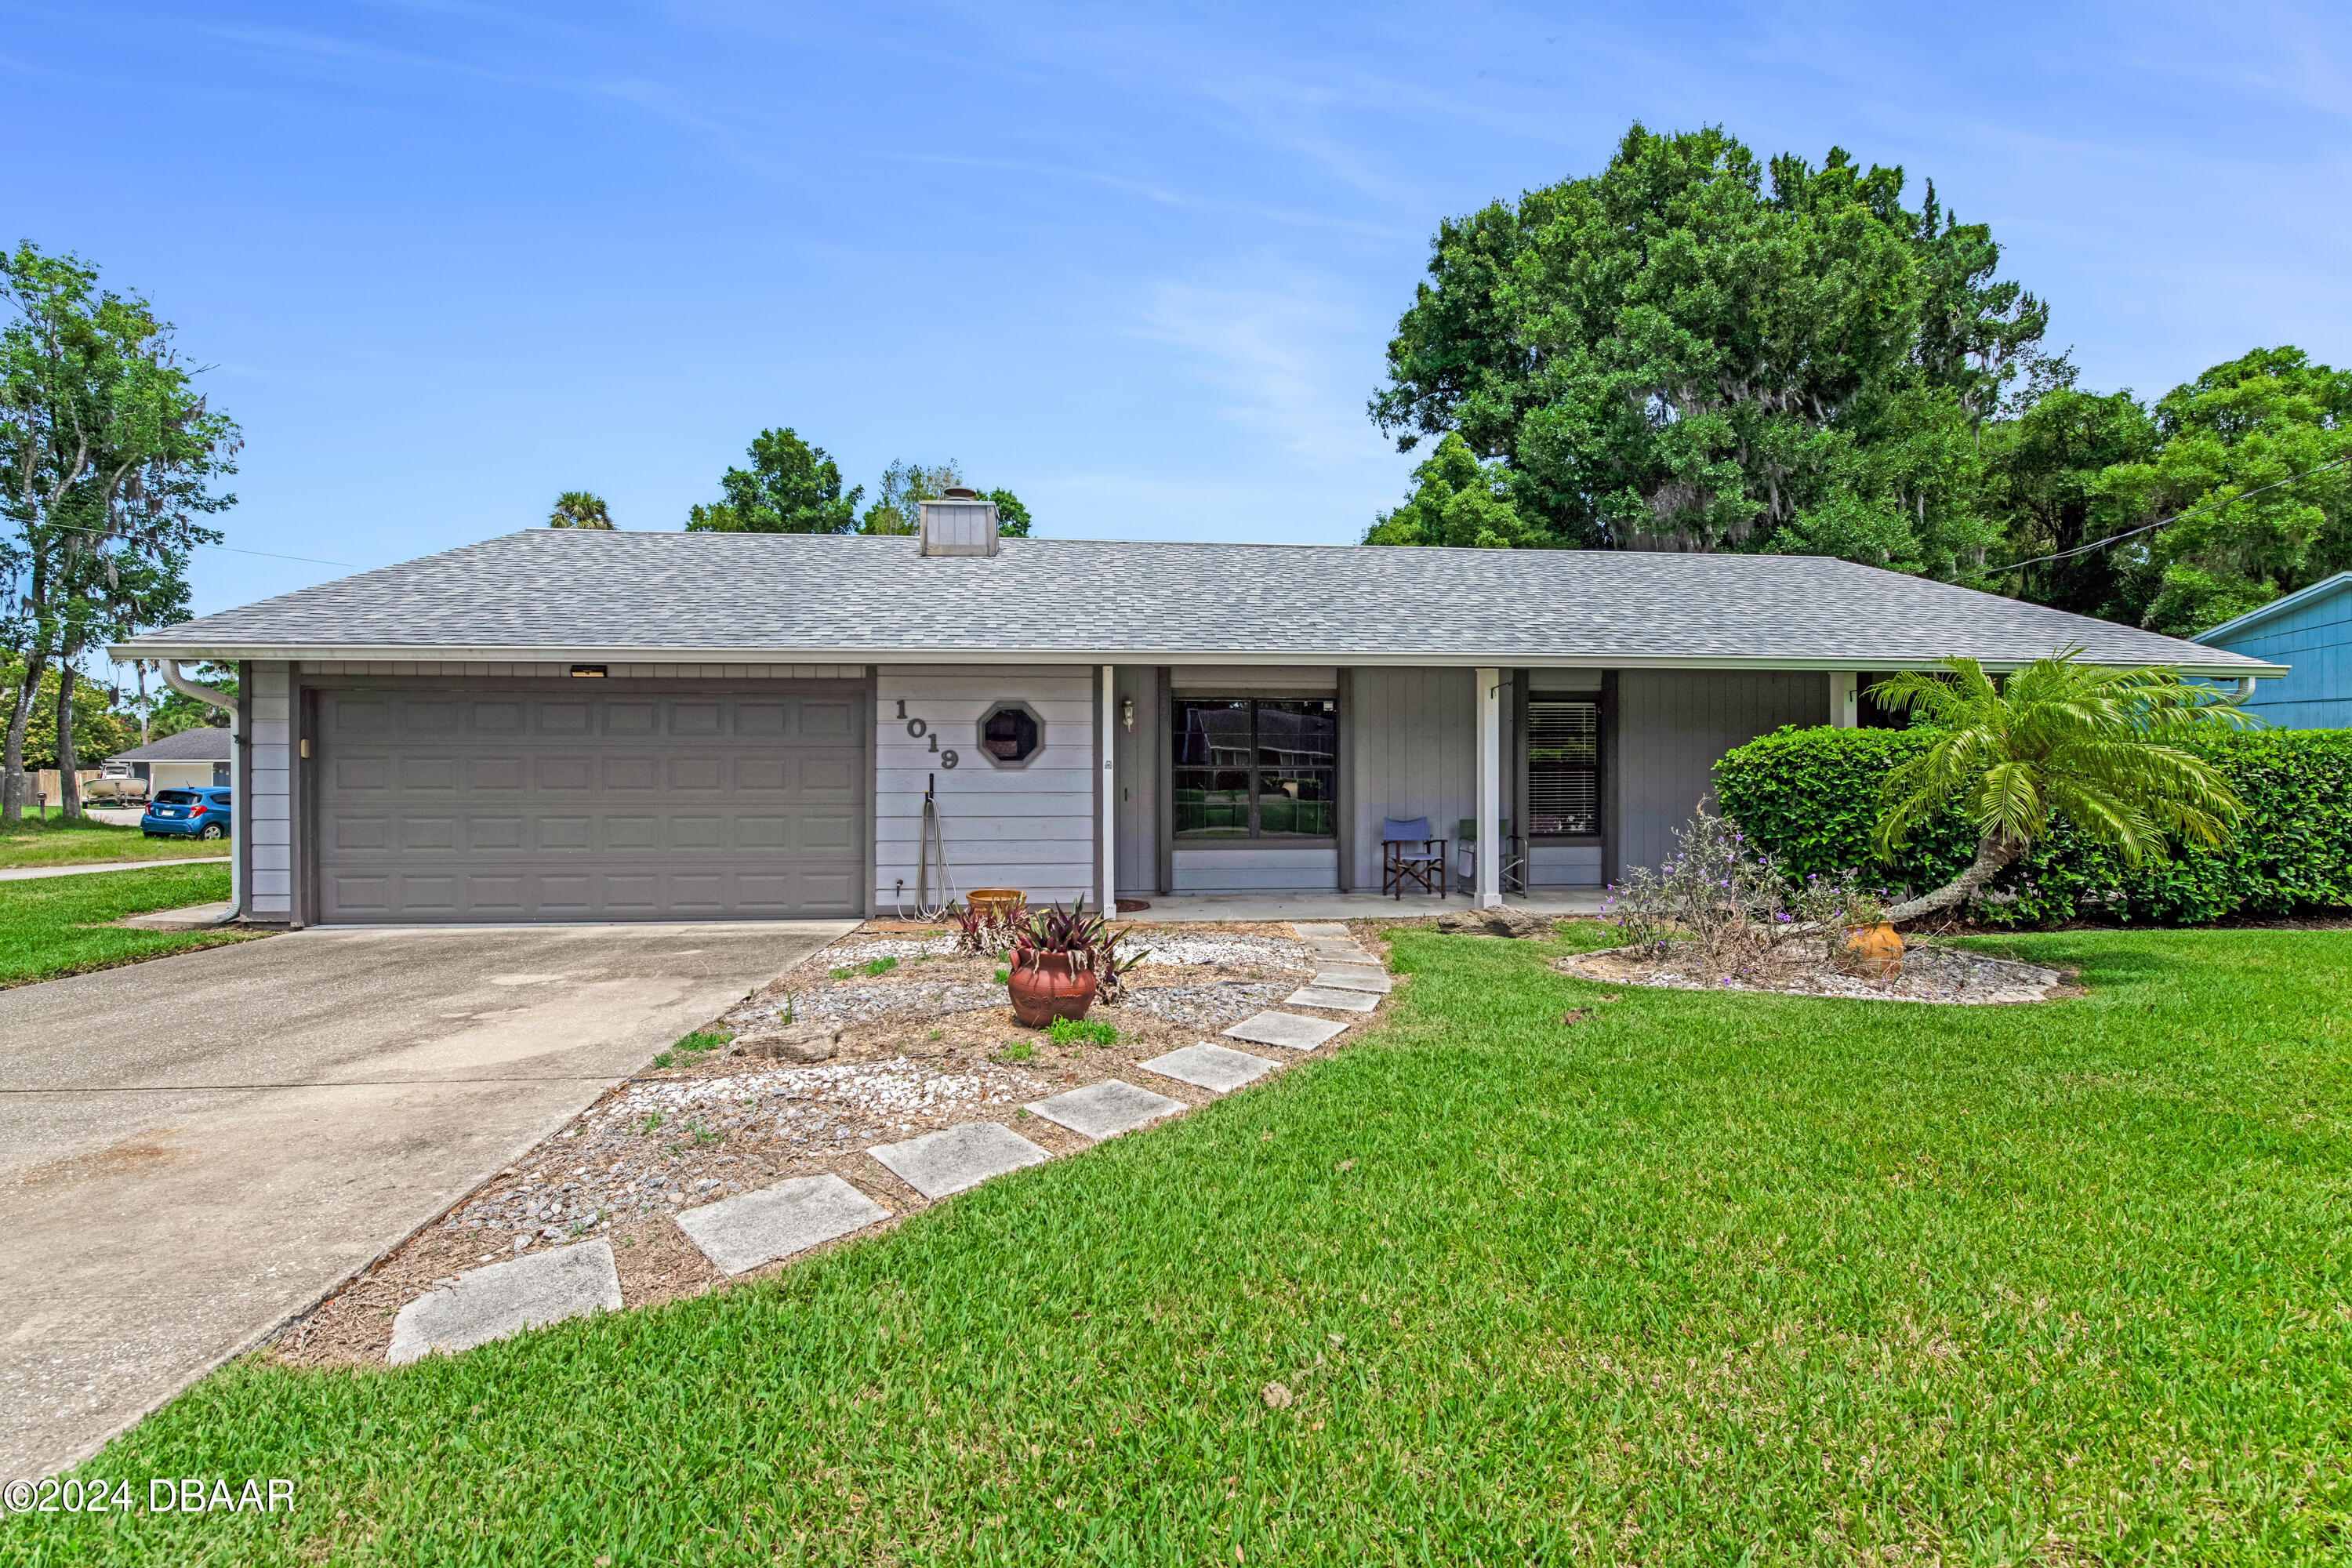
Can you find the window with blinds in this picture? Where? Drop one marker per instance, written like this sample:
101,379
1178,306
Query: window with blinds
1563,767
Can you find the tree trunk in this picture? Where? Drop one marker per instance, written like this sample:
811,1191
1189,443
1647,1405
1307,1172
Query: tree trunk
1992,855
68,786
12,789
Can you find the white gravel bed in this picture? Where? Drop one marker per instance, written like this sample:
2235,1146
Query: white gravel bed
1248,951
1930,974
1209,1004
854,949
855,1004
666,1142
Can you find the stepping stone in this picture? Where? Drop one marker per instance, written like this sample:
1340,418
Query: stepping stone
1332,999
1339,953
490,1303
1321,930
1286,1029
1217,1068
1106,1110
1354,977
744,1232
939,1163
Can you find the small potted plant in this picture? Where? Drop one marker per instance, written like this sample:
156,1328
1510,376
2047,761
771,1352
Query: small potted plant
1061,960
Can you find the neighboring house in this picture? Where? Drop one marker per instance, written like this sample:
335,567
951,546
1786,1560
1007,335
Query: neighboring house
2310,629
201,756
565,724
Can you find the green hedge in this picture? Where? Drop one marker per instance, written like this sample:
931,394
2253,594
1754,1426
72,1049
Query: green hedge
1813,798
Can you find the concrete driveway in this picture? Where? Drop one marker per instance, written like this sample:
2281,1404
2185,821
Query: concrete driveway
195,1150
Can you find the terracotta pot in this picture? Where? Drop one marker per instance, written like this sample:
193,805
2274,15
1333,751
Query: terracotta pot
1875,951
1046,988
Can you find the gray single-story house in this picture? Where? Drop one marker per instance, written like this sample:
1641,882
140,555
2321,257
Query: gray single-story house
204,755
579,725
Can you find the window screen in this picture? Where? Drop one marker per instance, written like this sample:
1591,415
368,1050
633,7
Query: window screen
1254,767
1563,767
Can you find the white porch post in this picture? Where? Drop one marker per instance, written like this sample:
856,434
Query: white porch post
1489,894
1106,896
1844,712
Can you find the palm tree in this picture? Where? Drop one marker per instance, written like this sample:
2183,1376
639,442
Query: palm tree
2081,740
578,509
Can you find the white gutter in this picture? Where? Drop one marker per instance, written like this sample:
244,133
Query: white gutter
217,697
305,653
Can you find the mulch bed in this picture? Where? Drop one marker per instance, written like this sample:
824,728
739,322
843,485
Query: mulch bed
928,1043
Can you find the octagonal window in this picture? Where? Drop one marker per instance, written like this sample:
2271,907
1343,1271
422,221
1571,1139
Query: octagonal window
1011,734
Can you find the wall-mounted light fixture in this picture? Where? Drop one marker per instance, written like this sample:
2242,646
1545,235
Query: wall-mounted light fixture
1127,713
589,671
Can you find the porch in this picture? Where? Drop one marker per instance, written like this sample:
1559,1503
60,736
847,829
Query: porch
1313,906
1264,788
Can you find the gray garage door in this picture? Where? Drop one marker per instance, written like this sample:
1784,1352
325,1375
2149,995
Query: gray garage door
610,804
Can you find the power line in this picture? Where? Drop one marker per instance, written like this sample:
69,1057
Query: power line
233,549
2160,522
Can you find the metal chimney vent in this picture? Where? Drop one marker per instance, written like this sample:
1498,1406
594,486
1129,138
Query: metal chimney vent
959,524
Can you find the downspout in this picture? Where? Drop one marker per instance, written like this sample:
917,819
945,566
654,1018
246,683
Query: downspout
215,697
2245,688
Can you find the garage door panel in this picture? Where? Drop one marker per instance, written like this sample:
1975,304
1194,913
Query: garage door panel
708,804
496,718
829,720
829,832
489,835
830,776
351,774
753,775
623,773
633,833
695,773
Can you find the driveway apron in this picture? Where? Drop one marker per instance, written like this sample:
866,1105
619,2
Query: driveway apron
195,1150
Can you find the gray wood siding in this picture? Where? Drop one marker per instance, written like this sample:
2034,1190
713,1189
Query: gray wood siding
1413,750
1672,725
1286,869
265,815
1029,827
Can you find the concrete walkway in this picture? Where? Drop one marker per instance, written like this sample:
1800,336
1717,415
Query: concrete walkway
1353,906
27,873
196,1149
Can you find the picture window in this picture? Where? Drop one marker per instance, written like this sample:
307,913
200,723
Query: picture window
1254,767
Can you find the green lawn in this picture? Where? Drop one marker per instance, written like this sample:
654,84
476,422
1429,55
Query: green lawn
1704,1278
58,925
53,841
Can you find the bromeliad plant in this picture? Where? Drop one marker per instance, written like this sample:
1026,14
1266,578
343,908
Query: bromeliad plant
1091,946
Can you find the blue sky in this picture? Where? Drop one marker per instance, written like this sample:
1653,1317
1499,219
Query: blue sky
1139,264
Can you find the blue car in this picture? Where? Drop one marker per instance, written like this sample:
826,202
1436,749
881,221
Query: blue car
187,814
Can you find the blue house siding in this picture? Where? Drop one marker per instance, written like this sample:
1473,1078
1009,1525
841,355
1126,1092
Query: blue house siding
2311,630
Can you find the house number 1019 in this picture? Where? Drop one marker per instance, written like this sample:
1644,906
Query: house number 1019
919,730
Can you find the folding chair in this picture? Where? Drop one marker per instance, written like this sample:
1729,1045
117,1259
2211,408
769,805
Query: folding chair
1514,865
1411,853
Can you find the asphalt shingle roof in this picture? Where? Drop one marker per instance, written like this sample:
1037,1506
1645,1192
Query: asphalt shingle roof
205,744
559,593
